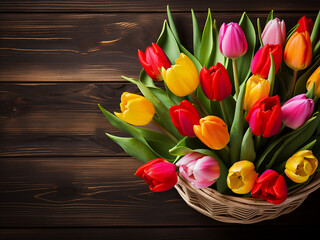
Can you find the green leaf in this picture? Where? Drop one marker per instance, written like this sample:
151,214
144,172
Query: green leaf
144,77
172,25
244,62
134,148
297,140
266,156
271,75
168,43
206,103
142,134
207,40
310,93
270,17
259,32
196,35
185,146
247,147
315,30
230,105
215,56
236,131
291,31
302,81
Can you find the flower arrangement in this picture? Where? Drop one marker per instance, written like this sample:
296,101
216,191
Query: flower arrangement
240,114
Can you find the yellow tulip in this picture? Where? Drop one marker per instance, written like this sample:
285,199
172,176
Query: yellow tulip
241,177
135,109
183,77
301,166
298,51
314,78
256,88
213,132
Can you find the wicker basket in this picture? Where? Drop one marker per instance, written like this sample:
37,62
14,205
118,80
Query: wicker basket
242,210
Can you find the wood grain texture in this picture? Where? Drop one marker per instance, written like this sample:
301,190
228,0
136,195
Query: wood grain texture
154,6
159,233
70,192
59,119
90,47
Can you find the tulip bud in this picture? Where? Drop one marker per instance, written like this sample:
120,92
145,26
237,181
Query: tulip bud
314,78
201,170
261,61
182,78
274,32
215,82
241,177
271,187
159,174
265,116
153,59
135,109
256,88
232,41
298,51
301,166
183,117
213,132
297,111
305,24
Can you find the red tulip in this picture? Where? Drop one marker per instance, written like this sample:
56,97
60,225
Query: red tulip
153,59
215,82
305,24
261,61
183,117
271,187
160,174
265,116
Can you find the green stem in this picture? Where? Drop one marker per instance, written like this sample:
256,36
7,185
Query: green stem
258,142
294,79
235,76
315,99
165,131
197,101
224,113
227,148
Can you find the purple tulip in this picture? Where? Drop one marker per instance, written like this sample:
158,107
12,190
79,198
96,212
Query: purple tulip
232,41
274,32
199,169
296,111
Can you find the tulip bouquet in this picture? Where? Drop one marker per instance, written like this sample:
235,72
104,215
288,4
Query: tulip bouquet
240,114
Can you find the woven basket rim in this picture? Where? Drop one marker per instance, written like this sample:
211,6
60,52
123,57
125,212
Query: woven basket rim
214,195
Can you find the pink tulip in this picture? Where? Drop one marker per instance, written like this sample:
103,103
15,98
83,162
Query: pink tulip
201,170
274,32
296,111
232,41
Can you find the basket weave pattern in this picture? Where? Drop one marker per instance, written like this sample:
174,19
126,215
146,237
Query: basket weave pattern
242,210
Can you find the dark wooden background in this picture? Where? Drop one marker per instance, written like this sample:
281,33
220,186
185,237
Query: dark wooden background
60,176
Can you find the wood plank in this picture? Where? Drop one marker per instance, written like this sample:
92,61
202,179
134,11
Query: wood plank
89,47
59,119
160,233
103,192
154,6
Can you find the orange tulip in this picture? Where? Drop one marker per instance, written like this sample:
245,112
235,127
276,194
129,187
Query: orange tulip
213,132
298,51
314,78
